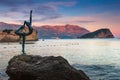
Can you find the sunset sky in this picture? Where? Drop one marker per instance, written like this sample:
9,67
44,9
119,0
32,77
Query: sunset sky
90,14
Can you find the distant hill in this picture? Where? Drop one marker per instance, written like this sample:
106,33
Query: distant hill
8,26
101,33
48,32
64,31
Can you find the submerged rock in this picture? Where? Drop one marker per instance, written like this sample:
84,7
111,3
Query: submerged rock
28,67
101,33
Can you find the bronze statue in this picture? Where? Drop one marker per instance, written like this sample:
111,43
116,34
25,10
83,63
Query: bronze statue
24,34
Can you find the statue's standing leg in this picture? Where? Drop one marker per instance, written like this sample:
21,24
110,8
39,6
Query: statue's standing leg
23,45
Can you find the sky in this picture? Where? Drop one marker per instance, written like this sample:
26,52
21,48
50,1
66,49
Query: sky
90,14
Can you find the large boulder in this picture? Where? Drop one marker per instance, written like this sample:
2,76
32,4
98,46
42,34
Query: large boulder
101,33
28,67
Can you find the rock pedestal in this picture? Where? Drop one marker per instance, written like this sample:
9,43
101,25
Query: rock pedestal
28,67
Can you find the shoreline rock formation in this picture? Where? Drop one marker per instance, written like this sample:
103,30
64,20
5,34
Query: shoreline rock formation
9,37
12,37
33,36
29,67
101,33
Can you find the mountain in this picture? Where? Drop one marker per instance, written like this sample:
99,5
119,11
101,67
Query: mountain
101,33
8,26
49,32
64,31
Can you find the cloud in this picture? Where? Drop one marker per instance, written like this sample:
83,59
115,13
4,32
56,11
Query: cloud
14,2
78,20
19,9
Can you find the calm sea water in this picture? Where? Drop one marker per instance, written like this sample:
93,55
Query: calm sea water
98,58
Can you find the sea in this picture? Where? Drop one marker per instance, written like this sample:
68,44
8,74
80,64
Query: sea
98,58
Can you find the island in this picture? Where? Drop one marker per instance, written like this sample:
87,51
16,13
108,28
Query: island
101,33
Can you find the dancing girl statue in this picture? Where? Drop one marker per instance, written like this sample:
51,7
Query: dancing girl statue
23,34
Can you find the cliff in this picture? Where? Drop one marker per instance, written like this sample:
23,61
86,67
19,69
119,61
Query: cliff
101,33
28,67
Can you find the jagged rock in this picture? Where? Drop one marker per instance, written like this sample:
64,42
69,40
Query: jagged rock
101,33
12,37
33,36
28,67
